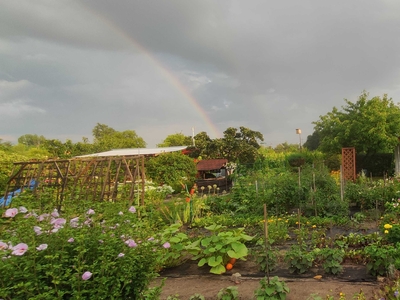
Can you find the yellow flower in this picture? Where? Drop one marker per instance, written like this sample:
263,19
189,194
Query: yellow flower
314,226
386,231
387,226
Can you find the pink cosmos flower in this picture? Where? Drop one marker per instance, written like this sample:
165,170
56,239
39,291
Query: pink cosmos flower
3,246
121,255
74,222
41,247
166,245
71,240
90,212
55,213
131,243
87,275
132,209
38,230
19,249
11,212
58,223
42,217
23,210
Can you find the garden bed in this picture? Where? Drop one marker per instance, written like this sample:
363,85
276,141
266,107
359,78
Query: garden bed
188,279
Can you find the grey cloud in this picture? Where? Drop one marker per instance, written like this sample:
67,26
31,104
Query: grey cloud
272,66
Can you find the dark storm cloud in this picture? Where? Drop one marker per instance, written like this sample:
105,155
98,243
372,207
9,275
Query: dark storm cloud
272,66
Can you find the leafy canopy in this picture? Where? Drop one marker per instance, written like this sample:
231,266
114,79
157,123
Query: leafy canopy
177,139
368,125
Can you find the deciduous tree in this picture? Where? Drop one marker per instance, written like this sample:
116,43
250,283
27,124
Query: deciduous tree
176,139
369,125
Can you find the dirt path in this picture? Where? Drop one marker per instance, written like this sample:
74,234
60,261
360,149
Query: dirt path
209,286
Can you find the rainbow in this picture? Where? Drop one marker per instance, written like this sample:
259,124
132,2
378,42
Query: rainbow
169,75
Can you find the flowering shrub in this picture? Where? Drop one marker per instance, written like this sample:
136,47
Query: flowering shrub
105,252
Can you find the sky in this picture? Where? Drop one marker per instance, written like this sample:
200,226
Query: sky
178,66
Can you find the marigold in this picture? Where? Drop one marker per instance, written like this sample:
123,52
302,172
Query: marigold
386,232
387,226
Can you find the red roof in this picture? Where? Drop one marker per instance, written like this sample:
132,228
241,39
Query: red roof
211,164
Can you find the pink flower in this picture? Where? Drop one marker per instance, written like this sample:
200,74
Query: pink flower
38,230
132,209
42,217
166,245
55,213
3,246
58,223
19,249
86,275
150,239
11,212
131,243
90,212
120,213
74,222
41,247
71,240
121,255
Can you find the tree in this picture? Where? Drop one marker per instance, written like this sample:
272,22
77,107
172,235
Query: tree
31,140
5,146
107,138
202,144
370,126
101,130
240,145
177,139
285,147
312,142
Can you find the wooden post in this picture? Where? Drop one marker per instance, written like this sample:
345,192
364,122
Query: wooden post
266,240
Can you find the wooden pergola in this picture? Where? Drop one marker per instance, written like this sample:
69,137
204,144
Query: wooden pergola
110,178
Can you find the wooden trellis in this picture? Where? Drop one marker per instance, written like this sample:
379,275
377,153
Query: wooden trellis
113,178
349,163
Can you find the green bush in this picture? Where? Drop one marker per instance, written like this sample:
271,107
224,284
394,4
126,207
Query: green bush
102,251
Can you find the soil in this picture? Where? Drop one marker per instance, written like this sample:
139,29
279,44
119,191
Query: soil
187,279
184,281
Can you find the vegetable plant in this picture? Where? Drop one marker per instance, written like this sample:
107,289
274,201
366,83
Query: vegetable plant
228,293
299,259
216,249
273,289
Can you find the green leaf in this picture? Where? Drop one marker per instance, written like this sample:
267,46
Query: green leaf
218,269
202,262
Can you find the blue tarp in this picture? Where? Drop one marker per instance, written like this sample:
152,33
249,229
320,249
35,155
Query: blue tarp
15,193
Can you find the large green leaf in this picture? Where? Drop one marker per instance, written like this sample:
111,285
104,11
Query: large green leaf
240,249
219,269
214,261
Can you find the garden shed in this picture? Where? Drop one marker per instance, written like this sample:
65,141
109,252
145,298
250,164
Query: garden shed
212,172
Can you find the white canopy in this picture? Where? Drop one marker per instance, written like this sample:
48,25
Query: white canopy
135,151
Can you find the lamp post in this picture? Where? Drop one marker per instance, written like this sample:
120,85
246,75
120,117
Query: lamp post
298,131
